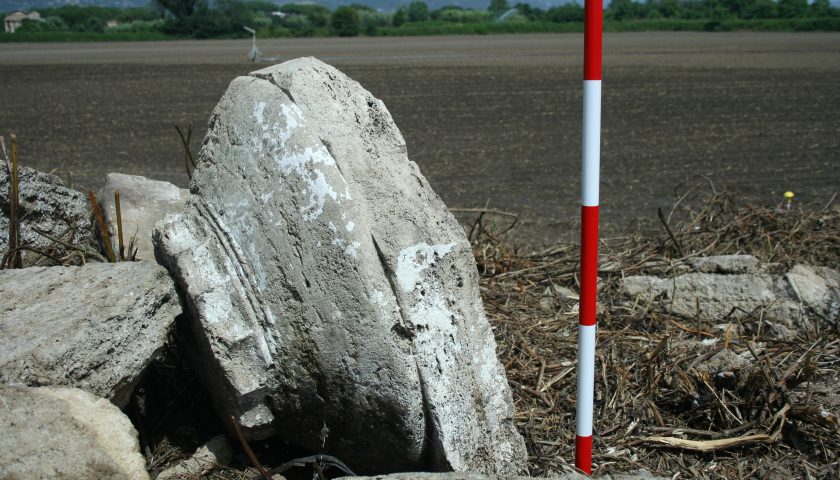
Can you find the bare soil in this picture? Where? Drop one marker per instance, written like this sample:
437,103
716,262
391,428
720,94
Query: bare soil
492,121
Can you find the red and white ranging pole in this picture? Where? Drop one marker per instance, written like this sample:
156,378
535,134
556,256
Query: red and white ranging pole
593,28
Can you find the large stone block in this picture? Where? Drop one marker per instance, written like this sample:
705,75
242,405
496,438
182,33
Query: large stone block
47,205
53,432
143,203
738,286
335,295
94,327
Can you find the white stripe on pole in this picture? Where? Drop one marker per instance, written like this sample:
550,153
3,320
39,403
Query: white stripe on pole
586,379
591,142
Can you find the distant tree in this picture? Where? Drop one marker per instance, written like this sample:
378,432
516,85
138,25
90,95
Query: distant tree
569,12
529,12
668,8
345,22
793,8
48,24
399,17
498,7
95,25
820,8
418,11
623,10
179,8
261,6
460,15
761,9
317,14
145,14
362,8
373,21
299,25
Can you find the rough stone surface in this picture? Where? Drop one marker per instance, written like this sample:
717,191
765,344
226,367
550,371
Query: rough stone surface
336,296
741,287
725,264
143,202
94,327
49,206
53,432
639,475
215,452
816,287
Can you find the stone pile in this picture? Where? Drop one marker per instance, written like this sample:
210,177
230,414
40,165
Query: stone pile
333,297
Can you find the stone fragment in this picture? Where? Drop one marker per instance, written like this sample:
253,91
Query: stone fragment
786,302
47,205
94,327
816,287
143,202
717,294
56,432
335,295
215,452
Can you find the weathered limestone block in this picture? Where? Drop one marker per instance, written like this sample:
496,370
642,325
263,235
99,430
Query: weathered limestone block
143,202
336,297
741,286
94,327
55,432
717,294
47,205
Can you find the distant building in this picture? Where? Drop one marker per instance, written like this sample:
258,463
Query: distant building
111,23
15,19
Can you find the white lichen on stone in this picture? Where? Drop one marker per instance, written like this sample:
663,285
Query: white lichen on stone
413,260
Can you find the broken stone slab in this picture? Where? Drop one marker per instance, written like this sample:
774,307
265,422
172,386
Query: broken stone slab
57,432
143,202
47,205
335,295
94,327
208,456
792,299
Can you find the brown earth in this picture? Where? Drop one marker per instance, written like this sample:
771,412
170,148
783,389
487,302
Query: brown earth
492,121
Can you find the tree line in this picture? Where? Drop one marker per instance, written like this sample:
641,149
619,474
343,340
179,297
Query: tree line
225,18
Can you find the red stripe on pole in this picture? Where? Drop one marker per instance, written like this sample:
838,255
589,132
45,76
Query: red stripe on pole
583,453
592,32
588,264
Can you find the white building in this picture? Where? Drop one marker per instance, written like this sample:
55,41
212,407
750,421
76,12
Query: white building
16,18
